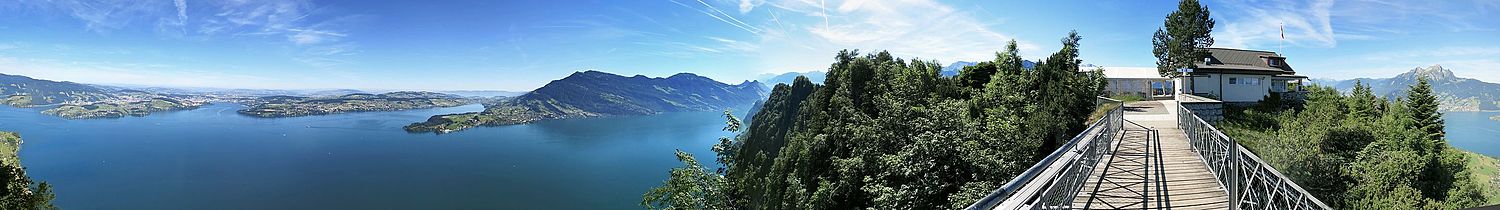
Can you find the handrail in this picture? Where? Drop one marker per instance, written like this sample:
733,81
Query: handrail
1249,181
1063,166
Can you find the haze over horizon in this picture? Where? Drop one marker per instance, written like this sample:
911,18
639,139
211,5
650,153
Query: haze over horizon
521,45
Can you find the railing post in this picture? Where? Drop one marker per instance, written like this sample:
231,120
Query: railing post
1234,172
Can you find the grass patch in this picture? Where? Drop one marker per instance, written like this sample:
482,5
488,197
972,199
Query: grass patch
1128,98
1486,171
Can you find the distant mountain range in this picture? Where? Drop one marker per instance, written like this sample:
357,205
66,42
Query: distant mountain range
22,91
595,93
770,80
80,101
1455,93
954,68
484,93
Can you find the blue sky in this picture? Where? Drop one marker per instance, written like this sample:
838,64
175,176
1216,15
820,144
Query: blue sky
521,45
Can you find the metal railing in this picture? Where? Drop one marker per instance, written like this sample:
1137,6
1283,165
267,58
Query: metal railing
1249,181
1055,180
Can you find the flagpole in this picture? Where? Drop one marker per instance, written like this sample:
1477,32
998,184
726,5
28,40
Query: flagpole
1283,40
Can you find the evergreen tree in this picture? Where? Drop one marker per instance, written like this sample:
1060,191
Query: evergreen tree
1423,107
1363,105
1181,44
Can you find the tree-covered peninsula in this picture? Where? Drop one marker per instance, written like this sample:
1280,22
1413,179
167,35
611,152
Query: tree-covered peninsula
888,133
293,106
118,109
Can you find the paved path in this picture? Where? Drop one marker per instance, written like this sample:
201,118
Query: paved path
1129,178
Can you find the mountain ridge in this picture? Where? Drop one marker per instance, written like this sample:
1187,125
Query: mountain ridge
1455,93
596,93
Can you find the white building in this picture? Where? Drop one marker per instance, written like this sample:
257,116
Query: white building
1140,81
1240,76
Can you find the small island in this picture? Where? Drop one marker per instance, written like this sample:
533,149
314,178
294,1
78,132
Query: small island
294,106
118,109
1496,117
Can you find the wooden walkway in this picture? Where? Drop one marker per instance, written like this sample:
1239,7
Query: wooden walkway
1146,174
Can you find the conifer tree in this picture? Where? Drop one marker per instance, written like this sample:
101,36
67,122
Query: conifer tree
1181,43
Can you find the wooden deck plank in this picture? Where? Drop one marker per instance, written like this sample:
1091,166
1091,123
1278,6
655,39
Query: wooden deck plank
1122,181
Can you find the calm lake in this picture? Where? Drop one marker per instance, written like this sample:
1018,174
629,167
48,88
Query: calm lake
213,158
1473,131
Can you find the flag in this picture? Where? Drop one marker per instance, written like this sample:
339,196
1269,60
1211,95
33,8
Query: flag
1283,31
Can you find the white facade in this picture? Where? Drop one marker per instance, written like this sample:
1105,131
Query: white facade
1233,87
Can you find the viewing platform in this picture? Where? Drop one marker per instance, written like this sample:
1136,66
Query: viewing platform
1150,155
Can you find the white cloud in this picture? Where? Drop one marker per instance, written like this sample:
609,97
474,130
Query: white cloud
298,23
1259,24
181,10
1324,23
310,36
914,28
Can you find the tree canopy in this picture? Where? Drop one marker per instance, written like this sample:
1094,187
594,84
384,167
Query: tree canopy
1359,151
1181,43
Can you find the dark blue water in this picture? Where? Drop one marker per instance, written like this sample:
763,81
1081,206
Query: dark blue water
212,158
1473,131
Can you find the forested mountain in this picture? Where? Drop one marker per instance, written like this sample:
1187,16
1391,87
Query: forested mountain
595,93
1455,93
24,91
292,106
887,133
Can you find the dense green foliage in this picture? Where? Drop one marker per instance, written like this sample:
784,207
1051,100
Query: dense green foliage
595,93
887,133
1360,151
20,192
1181,44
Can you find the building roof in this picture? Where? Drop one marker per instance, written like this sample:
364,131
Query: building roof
1127,72
1241,61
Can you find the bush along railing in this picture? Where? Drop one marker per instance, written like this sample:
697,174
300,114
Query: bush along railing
1057,179
1249,181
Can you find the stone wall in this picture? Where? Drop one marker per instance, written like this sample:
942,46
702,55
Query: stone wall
1208,109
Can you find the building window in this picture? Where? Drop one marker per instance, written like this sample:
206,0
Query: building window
1244,81
1274,62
